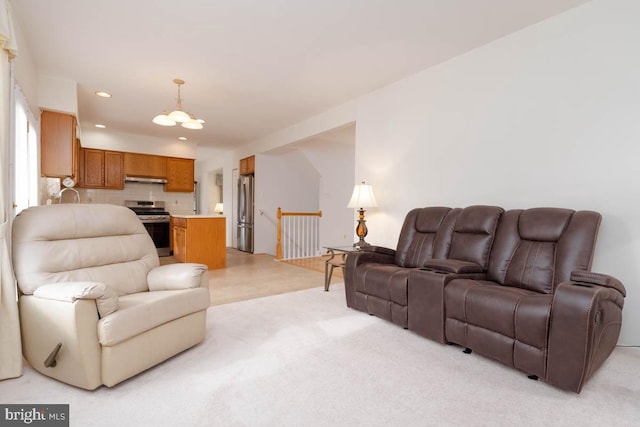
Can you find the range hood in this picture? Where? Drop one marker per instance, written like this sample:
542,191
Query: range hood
143,180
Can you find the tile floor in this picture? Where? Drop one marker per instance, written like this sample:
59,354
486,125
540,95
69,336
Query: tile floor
249,276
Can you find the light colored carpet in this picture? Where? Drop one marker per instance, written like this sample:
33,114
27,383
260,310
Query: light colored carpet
305,359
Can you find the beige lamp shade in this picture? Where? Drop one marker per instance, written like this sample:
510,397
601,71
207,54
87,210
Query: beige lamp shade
218,208
362,197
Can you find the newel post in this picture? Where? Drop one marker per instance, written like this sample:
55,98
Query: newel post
279,238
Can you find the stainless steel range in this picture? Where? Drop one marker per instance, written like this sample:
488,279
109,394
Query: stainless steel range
155,220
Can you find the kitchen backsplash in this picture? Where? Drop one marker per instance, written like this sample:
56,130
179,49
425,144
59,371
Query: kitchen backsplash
175,203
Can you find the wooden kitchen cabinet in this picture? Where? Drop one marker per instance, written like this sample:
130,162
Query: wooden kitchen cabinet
248,165
180,175
180,242
200,239
114,170
59,155
145,165
92,168
101,169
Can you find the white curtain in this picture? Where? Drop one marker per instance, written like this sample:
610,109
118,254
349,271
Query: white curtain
10,346
24,141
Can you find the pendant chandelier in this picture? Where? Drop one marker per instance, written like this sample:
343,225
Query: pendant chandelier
178,115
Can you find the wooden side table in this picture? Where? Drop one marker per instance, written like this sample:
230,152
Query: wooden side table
333,262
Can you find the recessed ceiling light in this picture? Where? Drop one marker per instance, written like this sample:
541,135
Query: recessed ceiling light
100,126
103,94
182,138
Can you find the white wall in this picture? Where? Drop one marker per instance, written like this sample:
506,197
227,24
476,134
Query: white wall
548,116
58,95
334,162
333,118
287,181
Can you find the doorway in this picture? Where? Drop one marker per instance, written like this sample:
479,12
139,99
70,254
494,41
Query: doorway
235,174
215,202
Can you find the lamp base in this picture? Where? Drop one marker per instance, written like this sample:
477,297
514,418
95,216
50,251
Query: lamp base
360,244
361,230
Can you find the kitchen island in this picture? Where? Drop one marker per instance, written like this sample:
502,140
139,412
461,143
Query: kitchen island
200,239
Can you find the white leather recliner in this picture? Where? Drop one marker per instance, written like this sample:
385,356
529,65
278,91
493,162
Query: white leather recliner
90,281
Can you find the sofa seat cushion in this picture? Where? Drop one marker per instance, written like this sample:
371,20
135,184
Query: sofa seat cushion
512,312
385,281
143,311
453,266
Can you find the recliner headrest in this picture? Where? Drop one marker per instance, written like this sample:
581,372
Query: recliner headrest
429,219
544,224
478,219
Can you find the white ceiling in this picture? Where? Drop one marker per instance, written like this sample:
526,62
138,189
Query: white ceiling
251,67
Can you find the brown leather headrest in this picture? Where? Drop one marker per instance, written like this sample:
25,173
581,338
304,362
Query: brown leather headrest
544,224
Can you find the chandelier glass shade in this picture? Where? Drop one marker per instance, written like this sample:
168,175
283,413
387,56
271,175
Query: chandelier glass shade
178,115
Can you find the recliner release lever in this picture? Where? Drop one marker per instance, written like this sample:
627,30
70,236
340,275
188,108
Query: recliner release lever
51,362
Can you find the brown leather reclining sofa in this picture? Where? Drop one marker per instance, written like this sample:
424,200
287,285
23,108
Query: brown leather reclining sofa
514,286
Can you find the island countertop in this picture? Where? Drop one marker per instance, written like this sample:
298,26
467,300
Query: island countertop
199,216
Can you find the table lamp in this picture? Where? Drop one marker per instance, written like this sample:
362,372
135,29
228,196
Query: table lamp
218,208
362,198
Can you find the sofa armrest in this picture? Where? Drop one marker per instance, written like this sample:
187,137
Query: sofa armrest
378,250
453,266
44,323
177,276
369,256
585,325
356,258
105,298
599,279
353,260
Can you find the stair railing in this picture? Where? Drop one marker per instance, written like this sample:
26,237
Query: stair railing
298,234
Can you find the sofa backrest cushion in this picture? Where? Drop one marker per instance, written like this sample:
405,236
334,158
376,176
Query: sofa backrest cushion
426,234
474,233
82,242
536,249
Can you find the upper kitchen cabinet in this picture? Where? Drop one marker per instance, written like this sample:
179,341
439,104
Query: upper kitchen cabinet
113,166
145,165
101,169
248,165
58,145
180,175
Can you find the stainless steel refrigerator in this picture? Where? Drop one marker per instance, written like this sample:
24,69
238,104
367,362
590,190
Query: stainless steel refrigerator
245,213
